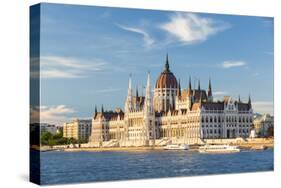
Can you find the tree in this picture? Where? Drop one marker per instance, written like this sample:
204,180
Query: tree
58,135
45,137
51,142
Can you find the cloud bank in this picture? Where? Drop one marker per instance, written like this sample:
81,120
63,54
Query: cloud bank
190,28
232,64
51,114
67,67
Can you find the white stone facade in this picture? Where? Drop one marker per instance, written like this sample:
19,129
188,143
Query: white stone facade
171,115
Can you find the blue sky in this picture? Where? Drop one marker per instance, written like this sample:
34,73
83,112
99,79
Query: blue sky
88,53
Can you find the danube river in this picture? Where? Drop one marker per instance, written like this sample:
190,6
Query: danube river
73,167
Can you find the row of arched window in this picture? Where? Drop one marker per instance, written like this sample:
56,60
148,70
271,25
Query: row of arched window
219,119
215,131
218,131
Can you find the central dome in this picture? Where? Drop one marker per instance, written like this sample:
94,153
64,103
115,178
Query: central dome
166,78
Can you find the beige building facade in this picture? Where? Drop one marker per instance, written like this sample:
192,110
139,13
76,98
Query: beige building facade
78,129
170,114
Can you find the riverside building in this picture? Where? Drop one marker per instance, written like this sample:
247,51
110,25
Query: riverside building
264,125
171,114
78,129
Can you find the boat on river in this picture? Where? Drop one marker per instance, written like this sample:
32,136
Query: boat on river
176,147
258,147
218,149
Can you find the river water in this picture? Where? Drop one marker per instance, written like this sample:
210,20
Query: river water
75,167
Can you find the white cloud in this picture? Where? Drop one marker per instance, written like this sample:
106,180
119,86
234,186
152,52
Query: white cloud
191,28
59,74
107,90
220,93
146,37
231,64
67,67
263,107
51,114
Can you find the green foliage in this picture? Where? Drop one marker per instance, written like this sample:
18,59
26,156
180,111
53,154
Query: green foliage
51,142
56,139
45,137
58,135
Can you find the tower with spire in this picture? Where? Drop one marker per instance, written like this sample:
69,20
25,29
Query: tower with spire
167,66
250,102
148,114
137,101
189,95
189,87
210,94
148,97
166,88
129,100
102,110
96,111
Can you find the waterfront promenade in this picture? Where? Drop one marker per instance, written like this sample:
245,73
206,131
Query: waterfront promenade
242,143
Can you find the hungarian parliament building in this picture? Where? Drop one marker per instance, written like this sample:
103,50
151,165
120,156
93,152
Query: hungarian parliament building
170,114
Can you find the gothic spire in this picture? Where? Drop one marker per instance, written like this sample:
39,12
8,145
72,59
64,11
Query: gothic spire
102,110
239,100
96,110
167,67
199,85
210,89
250,102
130,87
148,98
137,93
189,84
148,85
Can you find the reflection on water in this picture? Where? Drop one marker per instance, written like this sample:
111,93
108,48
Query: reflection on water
71,167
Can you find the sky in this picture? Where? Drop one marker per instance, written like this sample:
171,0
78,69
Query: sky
87,54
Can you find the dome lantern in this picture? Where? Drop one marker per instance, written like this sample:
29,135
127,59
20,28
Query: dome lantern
166,79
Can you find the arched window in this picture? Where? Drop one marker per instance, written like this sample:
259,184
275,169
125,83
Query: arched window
215,119
211,119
